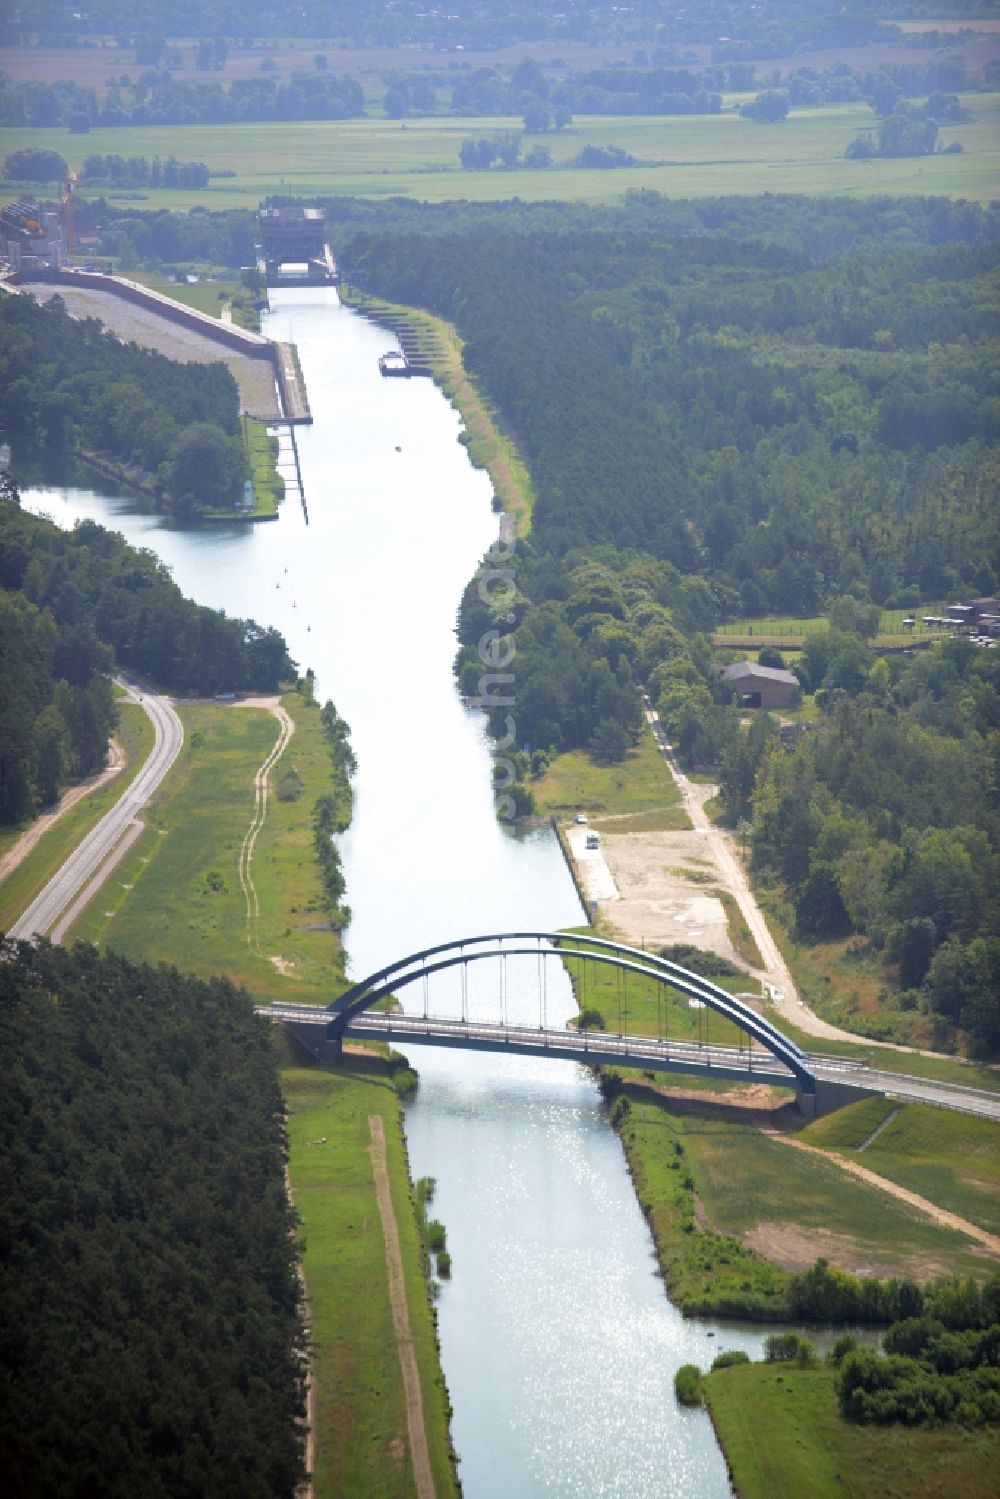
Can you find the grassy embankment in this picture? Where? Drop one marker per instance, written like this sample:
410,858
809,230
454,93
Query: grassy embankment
178,899
488,446
636,1006
362,1446
268,485
210,294
782,1433
728,1206
682,156
135,734
952,1159
177,896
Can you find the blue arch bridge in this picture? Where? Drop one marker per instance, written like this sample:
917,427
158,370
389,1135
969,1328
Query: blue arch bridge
763,1054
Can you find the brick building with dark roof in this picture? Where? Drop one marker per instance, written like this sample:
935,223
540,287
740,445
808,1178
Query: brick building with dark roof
762,686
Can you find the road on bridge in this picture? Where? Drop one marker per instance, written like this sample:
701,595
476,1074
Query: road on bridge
88,866
644,1051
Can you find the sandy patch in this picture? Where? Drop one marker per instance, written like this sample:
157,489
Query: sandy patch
271,704
792,1248
283,965
657,904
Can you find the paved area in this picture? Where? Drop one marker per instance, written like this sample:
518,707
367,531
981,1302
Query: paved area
93,859
136,324
592,865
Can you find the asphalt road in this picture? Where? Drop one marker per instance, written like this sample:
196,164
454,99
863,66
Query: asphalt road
835,1070
106,843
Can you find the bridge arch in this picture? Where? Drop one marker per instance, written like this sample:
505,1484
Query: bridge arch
368,991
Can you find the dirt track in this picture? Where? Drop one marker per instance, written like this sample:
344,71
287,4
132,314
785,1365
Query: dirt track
903,1194
422,1475
260,792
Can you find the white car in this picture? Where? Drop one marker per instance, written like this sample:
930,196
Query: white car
580,817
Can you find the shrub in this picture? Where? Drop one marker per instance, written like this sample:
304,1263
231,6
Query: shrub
435,1235
844,1345
687,1384
782,1347
620,1109
728,1357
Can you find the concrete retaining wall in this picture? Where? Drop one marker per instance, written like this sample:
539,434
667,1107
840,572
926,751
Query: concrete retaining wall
291,391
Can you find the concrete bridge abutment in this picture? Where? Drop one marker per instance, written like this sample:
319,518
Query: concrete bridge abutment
831,1096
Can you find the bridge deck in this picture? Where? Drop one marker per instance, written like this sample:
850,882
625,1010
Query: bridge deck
843,1075
594,1047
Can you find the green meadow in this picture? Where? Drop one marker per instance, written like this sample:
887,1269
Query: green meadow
951,1158
176,898
682,156
640,783
361,1431
782,1434
728,1205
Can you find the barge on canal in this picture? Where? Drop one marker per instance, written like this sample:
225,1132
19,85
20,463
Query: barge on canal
394,362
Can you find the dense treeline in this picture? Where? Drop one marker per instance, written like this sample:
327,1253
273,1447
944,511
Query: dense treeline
158,237
67,383
137,171
826,1295
160,99
545,97
332,812
31,165
778,420
885,821
936,1364
546,102
796,431
821,230
150,1334
72,606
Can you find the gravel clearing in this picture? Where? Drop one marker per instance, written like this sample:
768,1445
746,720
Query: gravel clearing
136,324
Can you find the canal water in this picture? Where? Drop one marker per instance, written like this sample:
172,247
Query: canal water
558,1343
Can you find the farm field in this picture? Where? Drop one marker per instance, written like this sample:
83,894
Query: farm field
681,156
100,58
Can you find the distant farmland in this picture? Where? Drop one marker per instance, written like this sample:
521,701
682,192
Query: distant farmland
681,156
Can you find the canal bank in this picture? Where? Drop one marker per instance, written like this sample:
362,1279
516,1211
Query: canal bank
554,1273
